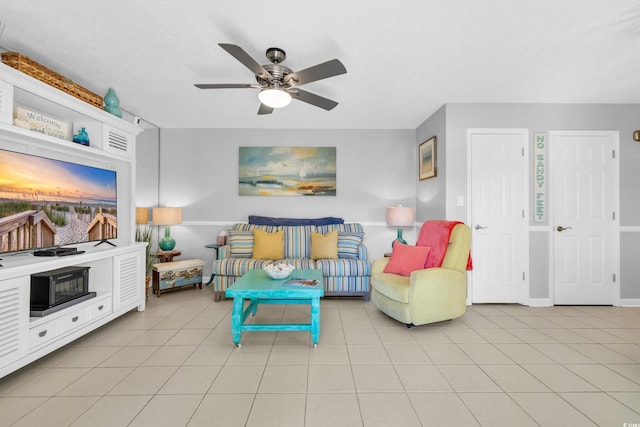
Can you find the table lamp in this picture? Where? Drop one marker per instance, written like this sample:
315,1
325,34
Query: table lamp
400,216
142,215
167,217
143,229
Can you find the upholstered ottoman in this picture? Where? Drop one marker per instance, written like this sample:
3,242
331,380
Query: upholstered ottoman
169,276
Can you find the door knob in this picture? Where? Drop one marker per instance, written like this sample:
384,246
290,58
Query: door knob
479,227
561,228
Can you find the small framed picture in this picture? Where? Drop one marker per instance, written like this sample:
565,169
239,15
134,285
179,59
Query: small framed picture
427,158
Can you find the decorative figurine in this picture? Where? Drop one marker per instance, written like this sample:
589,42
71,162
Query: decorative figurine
111,103
82,137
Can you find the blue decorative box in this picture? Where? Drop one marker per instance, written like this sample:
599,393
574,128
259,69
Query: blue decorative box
177,274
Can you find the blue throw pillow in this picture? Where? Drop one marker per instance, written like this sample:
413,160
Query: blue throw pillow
349,244
267,220
241,243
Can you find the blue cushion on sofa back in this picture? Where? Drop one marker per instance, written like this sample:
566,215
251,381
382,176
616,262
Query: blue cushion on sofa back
267,220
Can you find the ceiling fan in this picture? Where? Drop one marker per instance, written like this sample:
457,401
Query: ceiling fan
279,84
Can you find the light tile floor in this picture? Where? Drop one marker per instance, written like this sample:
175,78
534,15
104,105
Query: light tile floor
499,365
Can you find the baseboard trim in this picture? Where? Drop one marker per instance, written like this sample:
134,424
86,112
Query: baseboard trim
540,302
546,302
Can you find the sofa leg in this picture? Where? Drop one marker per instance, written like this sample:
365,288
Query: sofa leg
410,325
217,296
366,296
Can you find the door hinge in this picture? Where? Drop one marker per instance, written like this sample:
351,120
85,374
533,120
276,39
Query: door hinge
614,277
614,215
522,151
613,154
522,213
523,275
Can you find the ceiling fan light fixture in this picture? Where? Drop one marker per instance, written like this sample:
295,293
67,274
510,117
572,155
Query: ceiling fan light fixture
274,97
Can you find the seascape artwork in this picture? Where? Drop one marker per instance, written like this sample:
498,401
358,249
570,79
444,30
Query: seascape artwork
287,171
46,202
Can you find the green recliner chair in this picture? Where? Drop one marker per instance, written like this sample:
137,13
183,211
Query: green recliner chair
428,295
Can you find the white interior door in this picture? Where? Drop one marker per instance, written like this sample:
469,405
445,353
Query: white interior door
498,214
583,187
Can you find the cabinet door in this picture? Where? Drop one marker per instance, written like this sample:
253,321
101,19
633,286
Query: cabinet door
128,280
14,319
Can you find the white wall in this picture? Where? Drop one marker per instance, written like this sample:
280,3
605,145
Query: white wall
198,170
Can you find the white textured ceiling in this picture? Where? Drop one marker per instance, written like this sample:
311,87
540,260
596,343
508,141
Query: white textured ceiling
404,58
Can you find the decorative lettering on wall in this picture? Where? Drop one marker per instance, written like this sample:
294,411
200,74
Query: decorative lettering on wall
539,156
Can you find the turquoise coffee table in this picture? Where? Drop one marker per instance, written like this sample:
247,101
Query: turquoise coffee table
259,288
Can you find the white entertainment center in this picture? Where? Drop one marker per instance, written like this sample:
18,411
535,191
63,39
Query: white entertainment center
116,274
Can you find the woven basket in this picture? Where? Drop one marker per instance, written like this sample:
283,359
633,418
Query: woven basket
28,66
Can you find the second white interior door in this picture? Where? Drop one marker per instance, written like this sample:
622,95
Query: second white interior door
584,191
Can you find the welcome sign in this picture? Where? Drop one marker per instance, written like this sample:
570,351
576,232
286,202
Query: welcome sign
40,123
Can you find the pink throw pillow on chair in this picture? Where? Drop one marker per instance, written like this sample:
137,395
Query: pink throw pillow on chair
406,259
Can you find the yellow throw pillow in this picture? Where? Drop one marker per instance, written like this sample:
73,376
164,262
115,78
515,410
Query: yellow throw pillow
324,245
268,245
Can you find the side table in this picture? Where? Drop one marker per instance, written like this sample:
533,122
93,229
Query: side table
167,256
215,247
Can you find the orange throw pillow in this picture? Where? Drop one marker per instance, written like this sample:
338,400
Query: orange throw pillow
268,245
406,259
324,246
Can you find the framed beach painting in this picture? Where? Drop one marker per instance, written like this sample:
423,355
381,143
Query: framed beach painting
427,158
287,171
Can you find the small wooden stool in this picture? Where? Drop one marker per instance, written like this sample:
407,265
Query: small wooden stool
168,276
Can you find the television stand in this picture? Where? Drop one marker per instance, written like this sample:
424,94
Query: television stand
117,278
105,241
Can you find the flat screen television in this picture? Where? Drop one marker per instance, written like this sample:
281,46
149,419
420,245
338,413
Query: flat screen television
48,203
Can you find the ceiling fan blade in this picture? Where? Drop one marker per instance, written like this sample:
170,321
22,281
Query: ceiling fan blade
317,72
242,56
226,86
264,109
313,99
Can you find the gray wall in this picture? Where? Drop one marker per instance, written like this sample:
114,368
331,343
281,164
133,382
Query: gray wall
629,265
198,170
147,155
431,193
544,118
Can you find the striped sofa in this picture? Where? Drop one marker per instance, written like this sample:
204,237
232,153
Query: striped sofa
346,276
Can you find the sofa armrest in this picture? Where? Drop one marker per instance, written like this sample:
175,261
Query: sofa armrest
362,252
224,252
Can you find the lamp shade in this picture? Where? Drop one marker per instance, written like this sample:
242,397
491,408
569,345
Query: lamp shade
400,216
167,216
142,215
274,97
